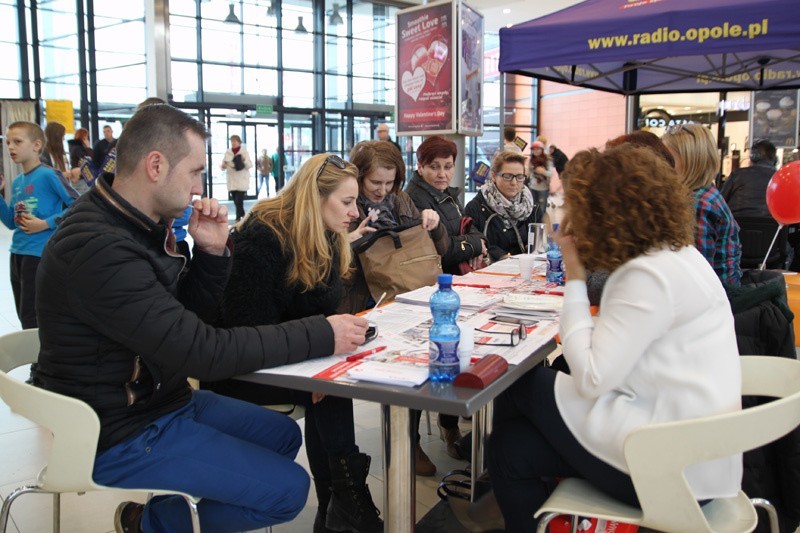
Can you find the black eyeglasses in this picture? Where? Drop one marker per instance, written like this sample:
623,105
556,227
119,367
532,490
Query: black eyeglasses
514,334
335,160
510,177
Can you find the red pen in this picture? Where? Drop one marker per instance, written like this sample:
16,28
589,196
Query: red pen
554,292
361,355
475,285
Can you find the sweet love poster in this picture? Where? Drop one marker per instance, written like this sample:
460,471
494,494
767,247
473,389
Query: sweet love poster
425,74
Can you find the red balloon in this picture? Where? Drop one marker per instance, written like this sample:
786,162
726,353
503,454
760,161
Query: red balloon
783,194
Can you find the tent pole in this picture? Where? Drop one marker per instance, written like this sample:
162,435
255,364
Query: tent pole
631,113
502,117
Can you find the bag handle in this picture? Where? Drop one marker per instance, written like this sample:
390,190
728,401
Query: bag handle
363,244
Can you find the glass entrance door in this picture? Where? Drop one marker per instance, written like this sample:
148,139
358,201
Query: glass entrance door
256,136
298,143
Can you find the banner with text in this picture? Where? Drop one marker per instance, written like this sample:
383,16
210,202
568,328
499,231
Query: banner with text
425,71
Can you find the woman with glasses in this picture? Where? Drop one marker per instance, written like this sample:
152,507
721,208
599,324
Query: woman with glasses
663,312
503,207
717,233
291,253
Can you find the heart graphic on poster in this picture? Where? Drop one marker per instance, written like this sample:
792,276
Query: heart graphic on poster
412,84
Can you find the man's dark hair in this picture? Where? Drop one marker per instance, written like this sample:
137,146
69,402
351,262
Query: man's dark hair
763,151
156,127
509,133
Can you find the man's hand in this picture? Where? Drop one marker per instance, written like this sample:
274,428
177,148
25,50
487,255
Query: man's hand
208,225
348,332
361,230
430,219
31,224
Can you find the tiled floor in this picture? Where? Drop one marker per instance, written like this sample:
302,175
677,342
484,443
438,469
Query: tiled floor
23,447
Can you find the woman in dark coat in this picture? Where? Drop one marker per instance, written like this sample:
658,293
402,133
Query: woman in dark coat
290,255
383,204
503,207
429,188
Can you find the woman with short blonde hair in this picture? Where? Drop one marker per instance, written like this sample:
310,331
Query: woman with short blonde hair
717,233
504,207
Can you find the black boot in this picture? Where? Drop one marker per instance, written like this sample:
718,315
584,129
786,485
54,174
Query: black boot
351,507
323,490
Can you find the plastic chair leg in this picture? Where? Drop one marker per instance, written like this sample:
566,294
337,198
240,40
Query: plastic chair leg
56,512
195,516
771,512
544,522
6,510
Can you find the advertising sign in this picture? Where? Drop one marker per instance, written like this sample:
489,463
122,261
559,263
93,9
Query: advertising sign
60,111
425,70
470,72
773,116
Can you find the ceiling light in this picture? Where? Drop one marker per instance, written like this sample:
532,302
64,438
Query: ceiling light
231,18
506,11
271,9
687,108
300,28
335,18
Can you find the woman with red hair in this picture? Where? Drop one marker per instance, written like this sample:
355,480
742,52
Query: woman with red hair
430,188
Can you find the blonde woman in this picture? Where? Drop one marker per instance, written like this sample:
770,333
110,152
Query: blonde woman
717,234
291,254
237,164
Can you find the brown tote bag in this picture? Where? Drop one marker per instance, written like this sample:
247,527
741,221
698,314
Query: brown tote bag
398,260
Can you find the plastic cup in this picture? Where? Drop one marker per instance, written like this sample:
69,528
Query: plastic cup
526,262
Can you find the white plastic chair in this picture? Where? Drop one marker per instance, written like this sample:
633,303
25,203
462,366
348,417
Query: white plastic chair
657,455
74,425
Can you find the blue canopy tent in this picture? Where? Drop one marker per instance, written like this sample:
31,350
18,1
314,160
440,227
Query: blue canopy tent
659,46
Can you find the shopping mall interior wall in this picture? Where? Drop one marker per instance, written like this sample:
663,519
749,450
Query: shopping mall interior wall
575,119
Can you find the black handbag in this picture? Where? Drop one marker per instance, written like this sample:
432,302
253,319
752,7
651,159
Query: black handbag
238,162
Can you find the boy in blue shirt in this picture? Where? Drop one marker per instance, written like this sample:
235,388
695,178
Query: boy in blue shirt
38,199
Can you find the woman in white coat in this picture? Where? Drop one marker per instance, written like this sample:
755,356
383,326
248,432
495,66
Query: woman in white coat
237,164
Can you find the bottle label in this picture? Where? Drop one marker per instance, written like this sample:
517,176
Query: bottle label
554,265
443,352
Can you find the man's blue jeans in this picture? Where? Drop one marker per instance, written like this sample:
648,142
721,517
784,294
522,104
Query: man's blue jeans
236,456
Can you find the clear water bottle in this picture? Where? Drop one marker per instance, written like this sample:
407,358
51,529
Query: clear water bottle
444,333
555,262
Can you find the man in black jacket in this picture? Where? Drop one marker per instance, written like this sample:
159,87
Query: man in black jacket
745,191
122,325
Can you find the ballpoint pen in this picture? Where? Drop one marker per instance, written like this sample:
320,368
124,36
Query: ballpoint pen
361,355
475,285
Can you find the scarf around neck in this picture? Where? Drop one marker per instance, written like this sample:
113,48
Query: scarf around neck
511,211
385,211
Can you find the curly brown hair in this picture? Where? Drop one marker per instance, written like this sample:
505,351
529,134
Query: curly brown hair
623,202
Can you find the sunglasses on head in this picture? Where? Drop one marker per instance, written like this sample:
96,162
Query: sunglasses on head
334,160
676,128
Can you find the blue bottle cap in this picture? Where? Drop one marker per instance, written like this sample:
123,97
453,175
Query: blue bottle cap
555,228
445,280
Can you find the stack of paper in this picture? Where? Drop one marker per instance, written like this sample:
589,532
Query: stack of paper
472,298
389,374
530,305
